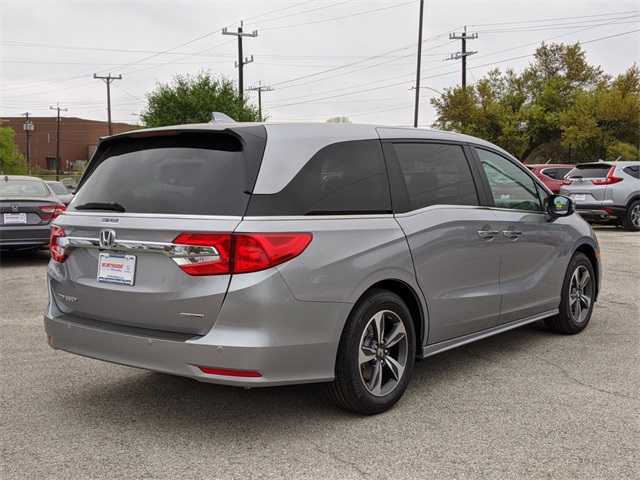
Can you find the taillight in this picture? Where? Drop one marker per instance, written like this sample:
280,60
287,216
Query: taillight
566,181
609,179
239,253
215,258
259,251
52,211
57,252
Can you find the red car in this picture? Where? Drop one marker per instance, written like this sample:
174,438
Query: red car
551,174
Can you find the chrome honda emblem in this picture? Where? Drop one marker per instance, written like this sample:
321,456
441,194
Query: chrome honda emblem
107,238
14,208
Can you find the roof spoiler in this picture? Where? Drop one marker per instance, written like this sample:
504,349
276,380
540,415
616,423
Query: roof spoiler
218,117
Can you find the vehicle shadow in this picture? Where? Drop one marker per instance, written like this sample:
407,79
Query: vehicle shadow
23,258
154,401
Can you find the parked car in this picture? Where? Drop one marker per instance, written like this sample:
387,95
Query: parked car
27,206
272,254
551,174
606,192
61,191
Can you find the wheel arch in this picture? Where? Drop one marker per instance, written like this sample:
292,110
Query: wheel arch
411,299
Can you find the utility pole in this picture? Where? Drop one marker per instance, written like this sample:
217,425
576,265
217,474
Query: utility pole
108,79
464,54
240,63
260,89
57,107
28,127
417,85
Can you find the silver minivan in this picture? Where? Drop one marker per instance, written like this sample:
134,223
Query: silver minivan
272,254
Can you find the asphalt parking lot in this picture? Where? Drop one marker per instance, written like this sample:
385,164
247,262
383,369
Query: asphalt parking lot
526,404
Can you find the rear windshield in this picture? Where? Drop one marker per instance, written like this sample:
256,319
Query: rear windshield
188,174
21,188
590,171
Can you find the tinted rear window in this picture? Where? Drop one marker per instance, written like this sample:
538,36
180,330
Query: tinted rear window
20,188
590,171
436,174
341,179
190,174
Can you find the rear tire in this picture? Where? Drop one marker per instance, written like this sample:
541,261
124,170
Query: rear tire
578,296
376,354
631,220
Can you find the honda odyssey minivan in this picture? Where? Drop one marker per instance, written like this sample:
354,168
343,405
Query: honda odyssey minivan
273,254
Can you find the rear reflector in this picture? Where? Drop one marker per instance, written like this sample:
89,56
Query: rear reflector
240,252
229,373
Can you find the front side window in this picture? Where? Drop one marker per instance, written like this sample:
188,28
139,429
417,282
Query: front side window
510,185
341,179
436,174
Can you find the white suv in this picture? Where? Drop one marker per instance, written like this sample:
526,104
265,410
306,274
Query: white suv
606,192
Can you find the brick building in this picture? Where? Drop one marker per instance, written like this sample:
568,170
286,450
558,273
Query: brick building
78,139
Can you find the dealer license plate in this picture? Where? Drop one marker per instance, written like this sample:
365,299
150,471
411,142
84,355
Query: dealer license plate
120,269
15,218
579,197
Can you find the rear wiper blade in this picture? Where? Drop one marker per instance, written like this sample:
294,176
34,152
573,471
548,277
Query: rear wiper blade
115,206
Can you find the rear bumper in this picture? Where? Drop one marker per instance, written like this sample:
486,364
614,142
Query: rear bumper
266,343
597,213
24,236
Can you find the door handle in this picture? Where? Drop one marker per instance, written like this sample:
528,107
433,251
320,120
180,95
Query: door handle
511,234
488,234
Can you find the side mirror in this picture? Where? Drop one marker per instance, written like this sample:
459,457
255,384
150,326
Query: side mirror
559,206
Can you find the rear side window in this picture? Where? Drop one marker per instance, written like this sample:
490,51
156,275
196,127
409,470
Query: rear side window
633,171
341,179
436,174
189,174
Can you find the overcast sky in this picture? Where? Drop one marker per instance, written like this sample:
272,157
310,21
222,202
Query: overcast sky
322,58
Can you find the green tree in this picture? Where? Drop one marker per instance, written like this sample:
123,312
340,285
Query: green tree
11,162
559,106
604,123
193,98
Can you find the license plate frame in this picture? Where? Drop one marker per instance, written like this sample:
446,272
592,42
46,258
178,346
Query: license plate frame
579,197
15,218
116,268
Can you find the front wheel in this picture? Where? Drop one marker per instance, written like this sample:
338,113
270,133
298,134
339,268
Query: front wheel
631,220
375,356
578,295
